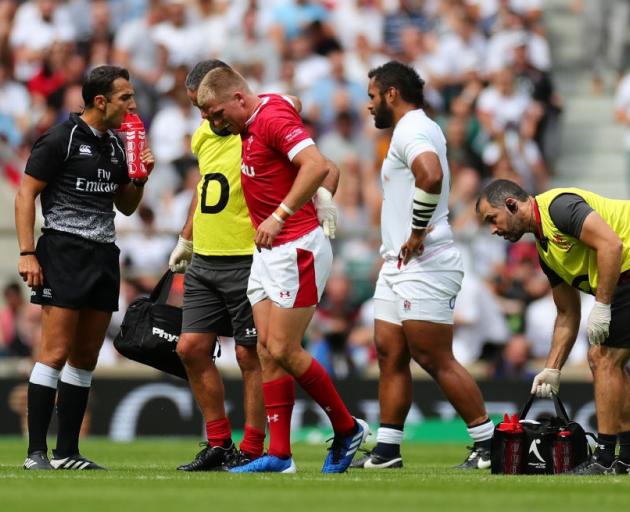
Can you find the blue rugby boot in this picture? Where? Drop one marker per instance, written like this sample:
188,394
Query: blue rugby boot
342,450
267,464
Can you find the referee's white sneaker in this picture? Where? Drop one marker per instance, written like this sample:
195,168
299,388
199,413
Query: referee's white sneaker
73,462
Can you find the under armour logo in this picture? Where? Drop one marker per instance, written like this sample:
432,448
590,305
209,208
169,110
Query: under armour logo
273,419
285,294
533,448
250,332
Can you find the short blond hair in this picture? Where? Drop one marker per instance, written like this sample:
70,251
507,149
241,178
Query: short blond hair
219,83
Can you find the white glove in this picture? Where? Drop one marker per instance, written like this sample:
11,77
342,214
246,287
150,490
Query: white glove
546,382
181,255
326,212
598,323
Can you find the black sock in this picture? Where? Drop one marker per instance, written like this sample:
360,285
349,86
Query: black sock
388,450
40,403
71,405
486,444
605,451
624,447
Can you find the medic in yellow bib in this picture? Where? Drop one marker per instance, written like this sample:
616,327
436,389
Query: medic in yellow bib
583,241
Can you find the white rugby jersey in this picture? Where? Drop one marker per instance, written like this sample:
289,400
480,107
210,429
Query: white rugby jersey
415,133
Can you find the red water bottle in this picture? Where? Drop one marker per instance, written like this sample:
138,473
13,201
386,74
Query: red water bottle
562,452
513,439
135,140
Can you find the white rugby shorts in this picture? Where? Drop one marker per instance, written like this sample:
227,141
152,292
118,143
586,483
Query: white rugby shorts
293,274
425,292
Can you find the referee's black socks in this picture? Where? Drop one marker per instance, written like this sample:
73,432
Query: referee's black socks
42,387
74,390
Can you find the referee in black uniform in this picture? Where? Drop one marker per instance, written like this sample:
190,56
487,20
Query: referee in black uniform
80,169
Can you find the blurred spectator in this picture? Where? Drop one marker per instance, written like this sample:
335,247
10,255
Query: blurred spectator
309,66
343,142
510,32
37,24
14,338
145,253
606,25
182,39
407,13
539,322
460,134
502,105
253,56
523,156
334,318
622,113
358,20
538,85
461,203
513,360
14,107
519,282
332,94
478,320
136,49
291,17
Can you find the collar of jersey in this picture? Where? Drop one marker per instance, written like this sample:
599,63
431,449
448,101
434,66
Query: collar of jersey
83,126
263,102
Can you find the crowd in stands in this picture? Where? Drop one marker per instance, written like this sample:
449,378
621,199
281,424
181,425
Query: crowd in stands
486,64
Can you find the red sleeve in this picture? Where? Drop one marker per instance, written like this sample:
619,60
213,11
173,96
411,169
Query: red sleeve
285,130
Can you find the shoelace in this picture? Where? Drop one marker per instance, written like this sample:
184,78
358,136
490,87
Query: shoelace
335,448
473,452
205,445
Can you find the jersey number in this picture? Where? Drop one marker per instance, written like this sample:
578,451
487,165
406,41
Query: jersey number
223,197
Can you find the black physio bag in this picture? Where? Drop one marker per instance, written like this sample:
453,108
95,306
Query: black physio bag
151,329
551,445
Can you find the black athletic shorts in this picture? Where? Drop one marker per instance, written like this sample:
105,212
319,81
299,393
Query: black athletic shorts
78,273
619,333
215,297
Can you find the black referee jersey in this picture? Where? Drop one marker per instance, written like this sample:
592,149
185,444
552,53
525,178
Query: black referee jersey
83,173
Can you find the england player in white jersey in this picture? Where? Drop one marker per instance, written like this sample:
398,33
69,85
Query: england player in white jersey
421,274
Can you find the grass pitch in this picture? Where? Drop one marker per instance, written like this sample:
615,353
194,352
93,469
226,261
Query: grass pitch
142,477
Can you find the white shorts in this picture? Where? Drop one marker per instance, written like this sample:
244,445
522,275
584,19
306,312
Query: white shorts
428,295
292,275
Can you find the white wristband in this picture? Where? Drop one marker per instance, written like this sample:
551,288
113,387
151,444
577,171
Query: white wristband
277,217
286,209
424,205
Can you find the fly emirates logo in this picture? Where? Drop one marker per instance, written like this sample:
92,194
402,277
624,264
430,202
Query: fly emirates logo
102,185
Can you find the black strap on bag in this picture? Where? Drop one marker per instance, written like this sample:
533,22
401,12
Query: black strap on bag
160,293
150,330
561,412
549,445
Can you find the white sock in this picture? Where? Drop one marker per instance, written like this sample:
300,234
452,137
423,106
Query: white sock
44,376
482,432
76,376
389,436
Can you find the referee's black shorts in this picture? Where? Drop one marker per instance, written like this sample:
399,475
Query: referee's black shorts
78,273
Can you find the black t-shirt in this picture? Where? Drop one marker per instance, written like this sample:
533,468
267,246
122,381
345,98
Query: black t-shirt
83,173
567,212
